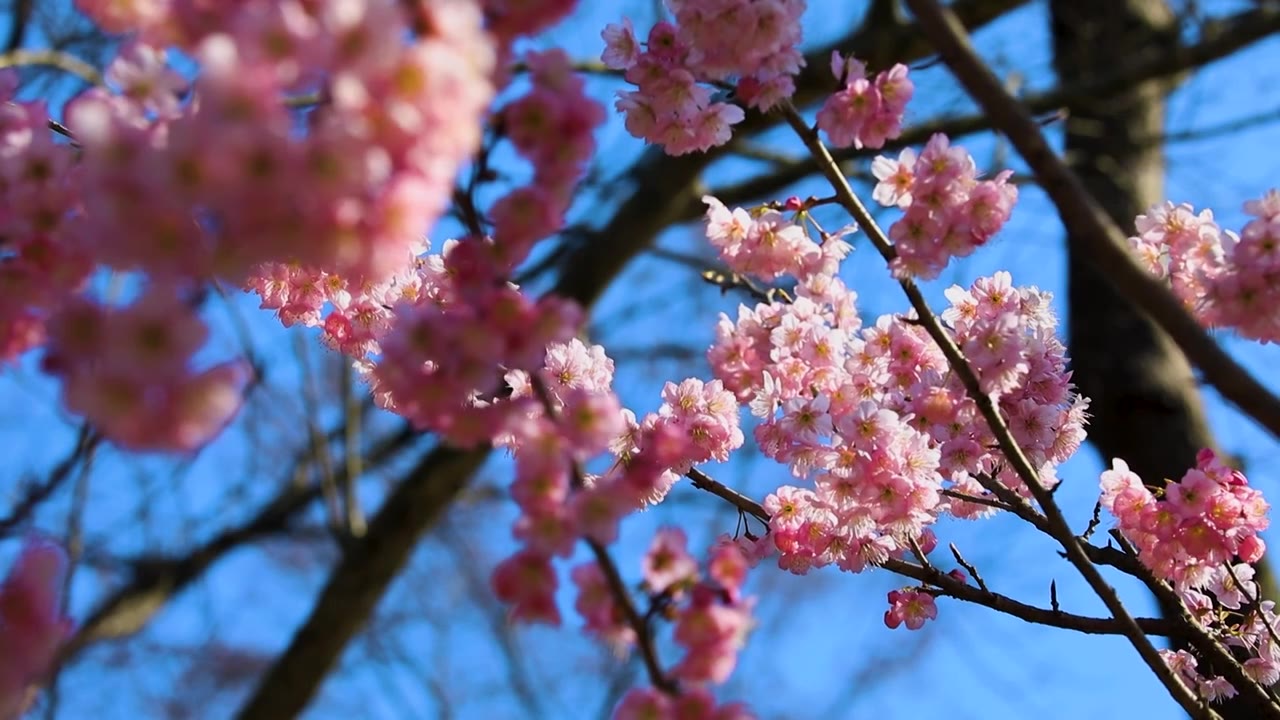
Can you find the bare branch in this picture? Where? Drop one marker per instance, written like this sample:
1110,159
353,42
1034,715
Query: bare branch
158,580
86,441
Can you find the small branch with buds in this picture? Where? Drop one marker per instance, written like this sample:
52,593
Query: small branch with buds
941,583
727,281
973,571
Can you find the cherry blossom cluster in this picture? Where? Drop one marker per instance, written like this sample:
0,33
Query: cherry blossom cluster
214,180
32,626
948,211
1191,527
511,19
1239,619
910,607
184,181
767,244
128,370
877,419
693,704
1185,665
865,112
710,43
711,619
556,419
554,516
1225,279
1200,533
696,423
1256,633
43,262
442,366
562,417
352,317
551,126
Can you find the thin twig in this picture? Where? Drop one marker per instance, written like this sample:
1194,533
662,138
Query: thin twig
973,571
727,281
1094,521
1253,599
919,554
975,499
644,639
319,443
74,544
352,453
86,440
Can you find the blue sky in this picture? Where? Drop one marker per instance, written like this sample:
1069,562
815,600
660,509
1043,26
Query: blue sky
821,649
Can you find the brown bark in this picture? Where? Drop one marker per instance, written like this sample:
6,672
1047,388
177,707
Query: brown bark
1146,406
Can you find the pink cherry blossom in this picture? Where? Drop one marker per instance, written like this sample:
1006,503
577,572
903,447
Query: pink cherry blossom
910,607
865,112
668,562
754,42
1225,279
949,212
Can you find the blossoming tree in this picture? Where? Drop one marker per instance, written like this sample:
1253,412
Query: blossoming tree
300,151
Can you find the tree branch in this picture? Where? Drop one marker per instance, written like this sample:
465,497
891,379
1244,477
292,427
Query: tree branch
1088,225
157,581
359,581
63,61
18,23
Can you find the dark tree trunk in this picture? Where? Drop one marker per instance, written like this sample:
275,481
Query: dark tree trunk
1146,407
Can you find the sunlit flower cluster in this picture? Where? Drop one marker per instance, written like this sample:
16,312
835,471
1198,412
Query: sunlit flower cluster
674,104
948,211
1227,280
866,111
